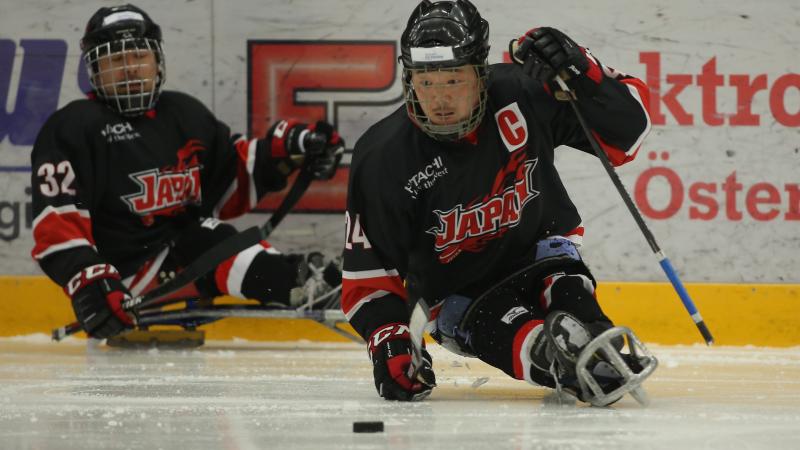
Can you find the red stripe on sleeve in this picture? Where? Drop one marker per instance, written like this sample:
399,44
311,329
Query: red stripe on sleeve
278,138
239,202
593,72
644,92
58,228
577,231
615,155
354,291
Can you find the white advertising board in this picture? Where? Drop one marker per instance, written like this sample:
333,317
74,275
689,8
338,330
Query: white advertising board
716,180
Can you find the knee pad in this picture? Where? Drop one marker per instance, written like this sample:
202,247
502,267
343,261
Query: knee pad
475,328
567,284
270,278
194,240
506,334
556,250
450,330
573,293
197,238
555,257
499,328
258,273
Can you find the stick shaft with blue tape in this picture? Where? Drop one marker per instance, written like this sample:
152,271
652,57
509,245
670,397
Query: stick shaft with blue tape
637,216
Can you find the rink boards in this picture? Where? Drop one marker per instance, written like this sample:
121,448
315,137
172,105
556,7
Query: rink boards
737,314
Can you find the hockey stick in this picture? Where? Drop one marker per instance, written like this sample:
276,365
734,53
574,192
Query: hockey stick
194,317
211,258
651,240
418,320
241,311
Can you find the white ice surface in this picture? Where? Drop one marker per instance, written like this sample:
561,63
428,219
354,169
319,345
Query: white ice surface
247,395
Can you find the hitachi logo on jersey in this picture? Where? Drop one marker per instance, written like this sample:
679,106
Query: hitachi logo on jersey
122,131
164,190
425,178
471,227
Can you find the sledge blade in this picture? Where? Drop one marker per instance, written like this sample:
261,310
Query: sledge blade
158,339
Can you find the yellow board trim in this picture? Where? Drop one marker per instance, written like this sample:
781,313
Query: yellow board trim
736,314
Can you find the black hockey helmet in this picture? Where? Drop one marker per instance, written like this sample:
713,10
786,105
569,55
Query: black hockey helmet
440,36
454,24
121,29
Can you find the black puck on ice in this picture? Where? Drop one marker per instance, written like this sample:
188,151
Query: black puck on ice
367,427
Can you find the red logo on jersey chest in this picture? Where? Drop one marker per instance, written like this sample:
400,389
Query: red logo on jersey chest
471,227
166,191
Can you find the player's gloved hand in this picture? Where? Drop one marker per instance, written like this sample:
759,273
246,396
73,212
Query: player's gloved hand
546,52
323,149
97,294
390,351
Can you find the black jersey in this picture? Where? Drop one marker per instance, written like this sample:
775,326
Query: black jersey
114,189
460,216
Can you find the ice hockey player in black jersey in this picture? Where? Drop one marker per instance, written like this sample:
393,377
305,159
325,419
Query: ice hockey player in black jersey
132,183
458,189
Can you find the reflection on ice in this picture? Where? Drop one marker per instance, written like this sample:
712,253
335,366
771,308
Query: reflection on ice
242,395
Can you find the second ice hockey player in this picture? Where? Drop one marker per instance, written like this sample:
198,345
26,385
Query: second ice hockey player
130,185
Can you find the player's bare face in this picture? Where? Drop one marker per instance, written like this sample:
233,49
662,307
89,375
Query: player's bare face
447,96
128,72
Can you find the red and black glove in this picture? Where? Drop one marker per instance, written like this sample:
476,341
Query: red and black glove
546,52
97,294
390,351
323,149
316,147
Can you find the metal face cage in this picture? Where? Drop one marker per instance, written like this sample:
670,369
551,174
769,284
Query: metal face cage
121,73
447,103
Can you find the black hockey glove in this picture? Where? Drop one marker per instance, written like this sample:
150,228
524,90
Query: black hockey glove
546,52
390,351
319,148
97,294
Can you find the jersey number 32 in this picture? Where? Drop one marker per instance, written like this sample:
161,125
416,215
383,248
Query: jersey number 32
50,187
